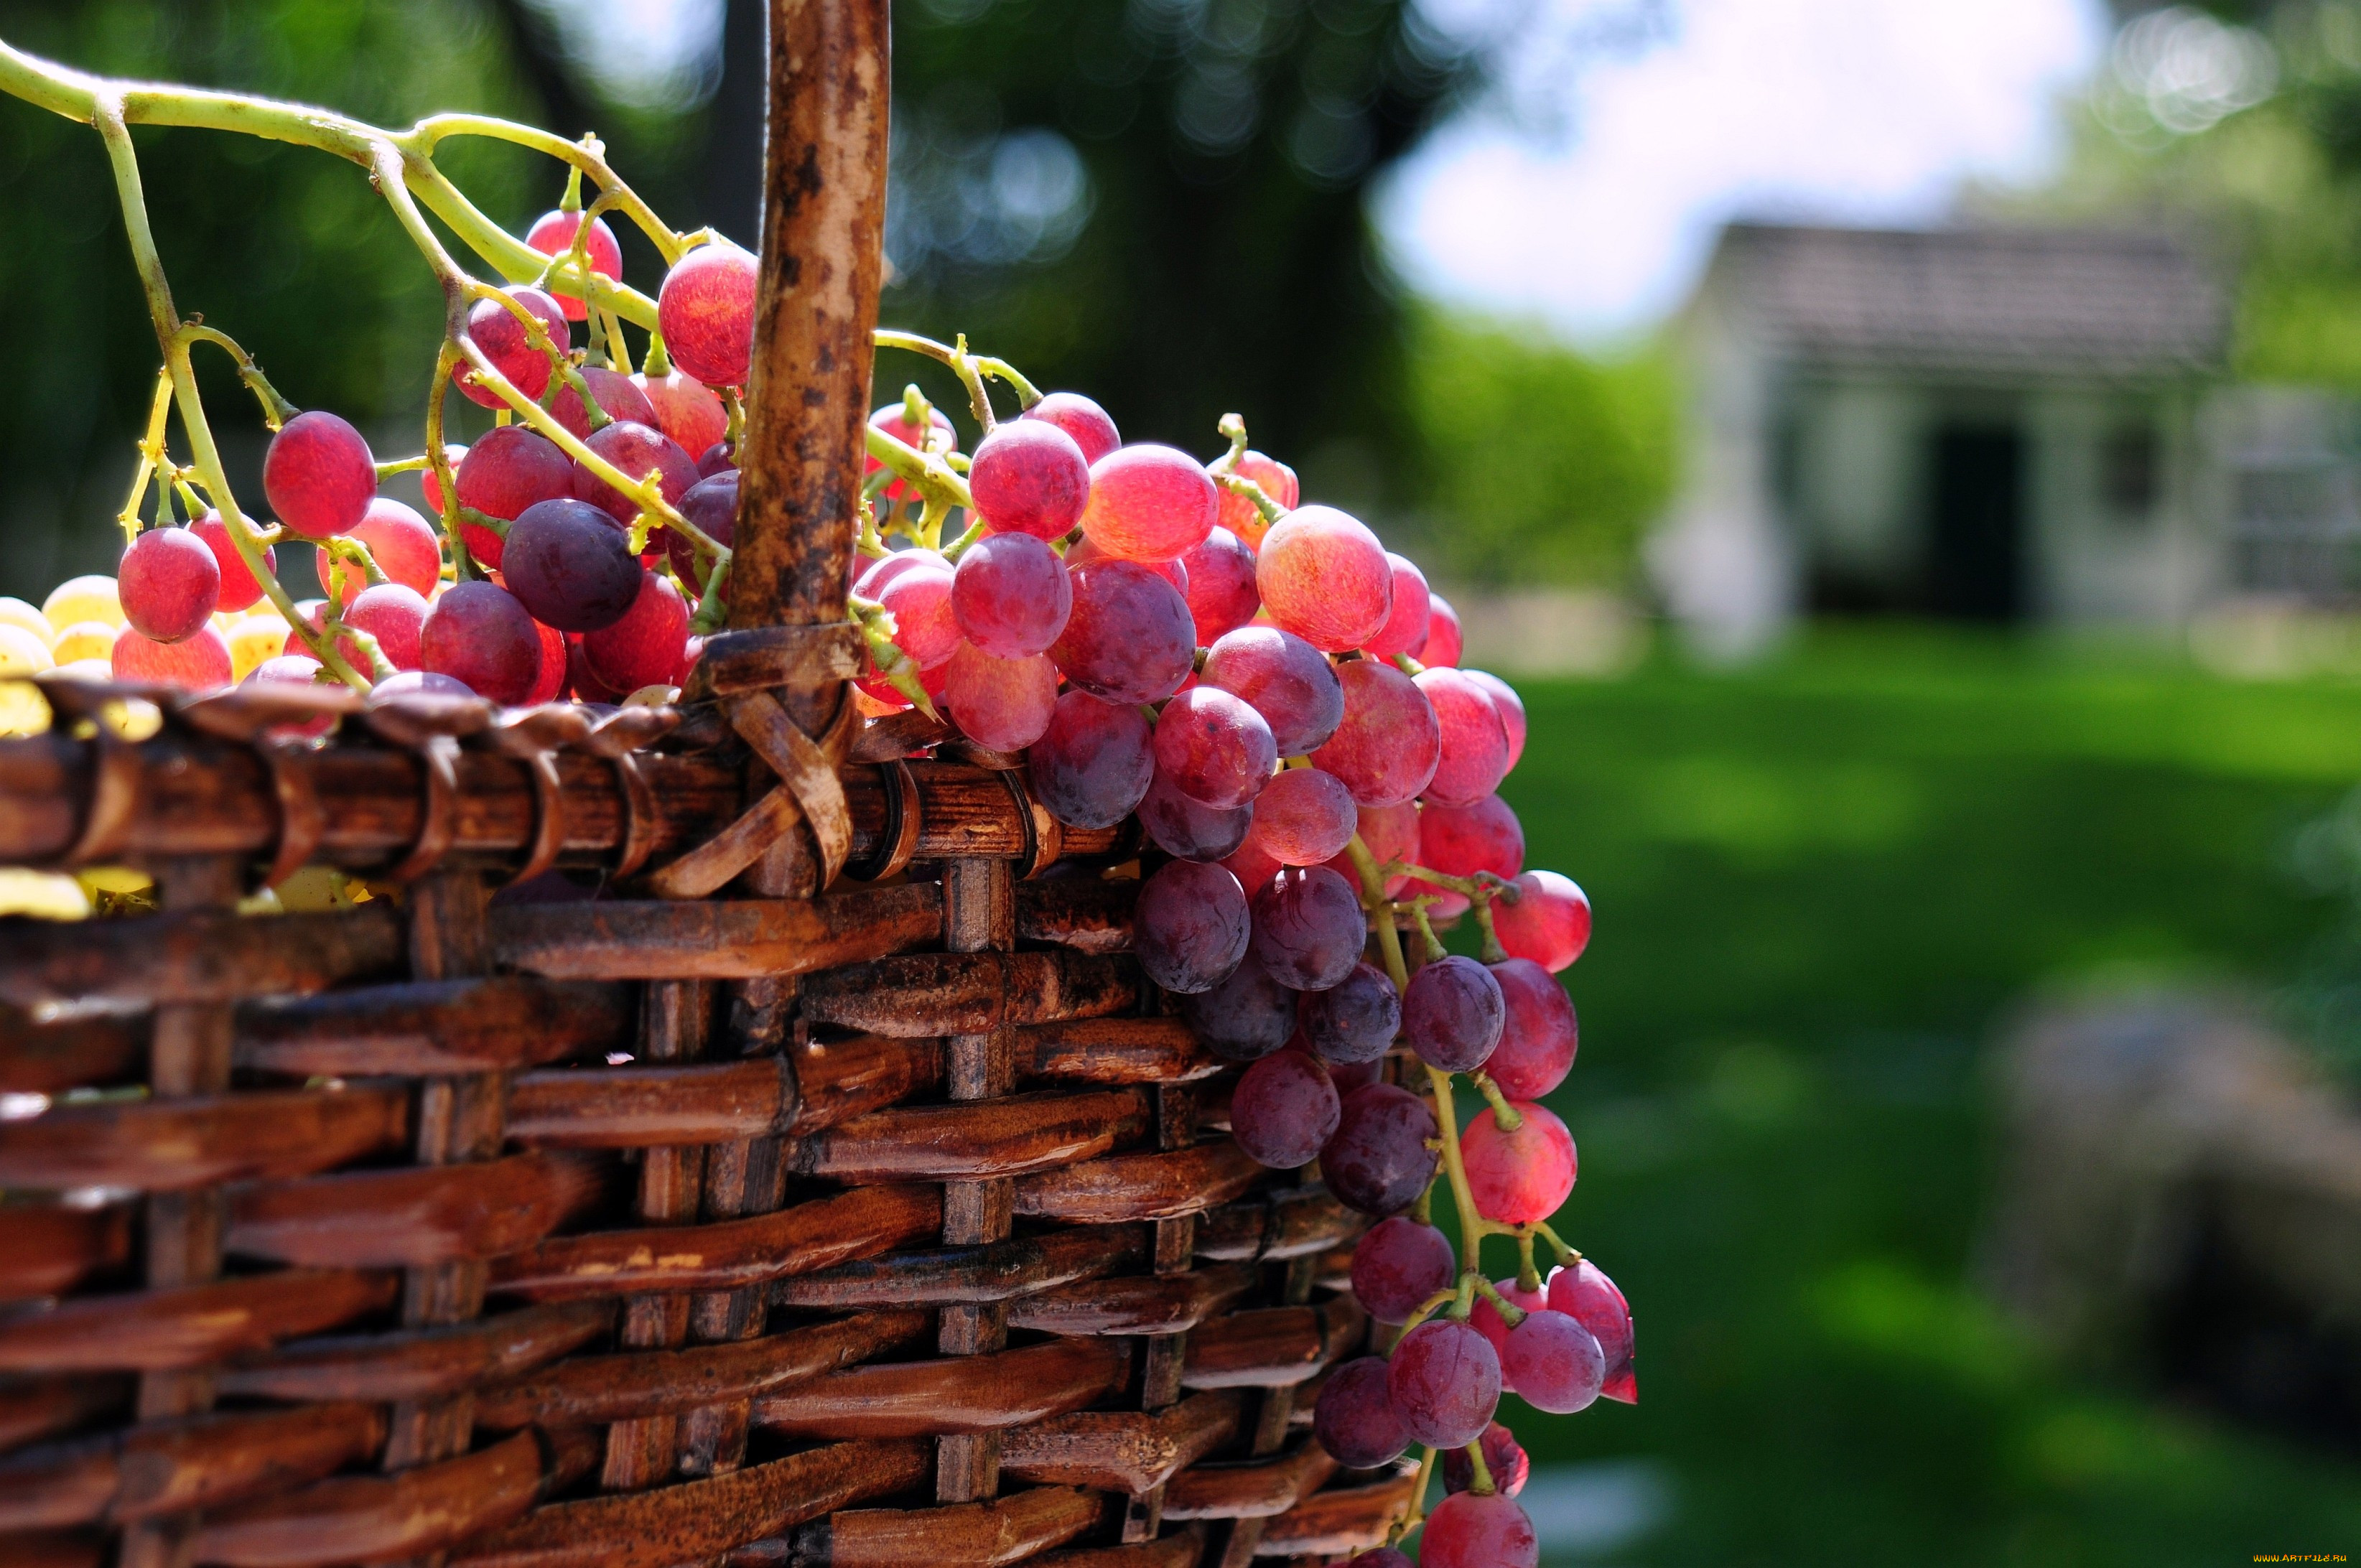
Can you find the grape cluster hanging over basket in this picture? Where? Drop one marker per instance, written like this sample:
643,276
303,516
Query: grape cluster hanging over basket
751,987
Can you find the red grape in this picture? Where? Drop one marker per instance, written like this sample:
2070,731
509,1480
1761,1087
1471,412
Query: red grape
1354,1020
1220,586
1553,1363
1461,841
553,235
1511,709
1094,763
1398,1266
1010,594
706,312
1388,833
712,505
480,635
1324,576
643,647
1002,703
1538,1033
1189,928
1381,1557
1149,503
403,544
1378,1161
1244,1017
168,583
585,685
1304,818
311,613
494,329
1473,752
1386,747
1471,1530
635,449
1452,1013
1253,869
549,671
238,588
877,575
1182,827
1285,679
1214,749
1444,1381
198,662
616,397
318,475
1284,1107
1173,572
1241,516
1591,1299
1309,928
1503,1458
431,487
1493,1326
1442,642
919,596
1520,1177
570,564
717,459
894,422
1405,627
1028,476
392,614
511,469
1129,638
1355,1419
1549,922
1352,1075
1082,420
686,409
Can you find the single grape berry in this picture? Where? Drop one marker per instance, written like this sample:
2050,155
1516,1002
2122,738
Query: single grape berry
686,409
1585,1294
506,341
1129,638
1323,575
1444,1381
1511,708
615,393
1282,677
1378,1162
1149,503
1190,927
1520,1177
1405,627
1452,1013
1028,476
570,564
1284,1108
1354,1419
417,683
717,459
1549,922
509,470
1398,1266
1442,642
1461,841
553,235
199,662
549,677
1094,764
1240,515
170,584
1181,827
1538,1031
919,596
1309,927
318,475
1389,743
1213,748
635,450
477,634
1352,1075
1246,1016
706,312
1253,869
402,543
1390,833
1381,1557
1083,420
1553,1363
642,649
712,505
1220,586
1304,818
1494,1327
1504,1459
1468,1529
240,590
1473,751
1354,1020
1002,704
392,614
1010,594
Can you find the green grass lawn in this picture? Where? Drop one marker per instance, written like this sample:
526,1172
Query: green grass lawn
1819,887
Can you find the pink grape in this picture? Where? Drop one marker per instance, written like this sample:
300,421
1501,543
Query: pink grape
686,409
477,634
1304,818
1355,1419
1494,1327
1094,764
284,669
1356,1019
1190,927
1129,638
1399,1265
925,625
310,612
635,450
495,330
706,312
1474,744
616,397
1511,709
1452,1013
1538,1031
894,422
570,564
1444,1381
1388,833
1246,1016
170,583
1386,747
240,590
1405,627
392,614
511,469
1220,585
1553,1363
712,505
1585,1294
199,662
1285,1107
1377,1161
1461,841
1503,1458
1083,421
553,235
1028,476
643,647
1213,748
1470,1531
879,574
404,545
417,683
1522,1177
1149,503
1549,922
1309,928
1002,704
1442,641
1084,552
1010,594
1285,679
1183,828
1323,575
318,475
1240,515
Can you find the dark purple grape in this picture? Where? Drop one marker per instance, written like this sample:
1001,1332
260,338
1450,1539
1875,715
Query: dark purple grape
1284,1107
1190,927
1356,1019
1503,1457
1094,763
570,564
1354,1419
1398,1266
1010,593
1246,1016
1213,748
1352,1075
1445,1382
712,505
1452,1013
1282,677
1309,928
1129,637
1539,1032
1378,1162
1183,827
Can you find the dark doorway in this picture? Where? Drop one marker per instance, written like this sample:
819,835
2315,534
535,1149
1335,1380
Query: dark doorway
1975,559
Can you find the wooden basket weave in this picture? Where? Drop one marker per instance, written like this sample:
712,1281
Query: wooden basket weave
746,1214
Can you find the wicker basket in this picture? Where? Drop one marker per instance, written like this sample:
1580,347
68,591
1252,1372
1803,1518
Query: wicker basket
832,1190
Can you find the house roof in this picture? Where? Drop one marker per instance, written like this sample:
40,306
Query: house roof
1980,301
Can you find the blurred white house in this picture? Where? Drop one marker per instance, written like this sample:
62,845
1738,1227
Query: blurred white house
1992,423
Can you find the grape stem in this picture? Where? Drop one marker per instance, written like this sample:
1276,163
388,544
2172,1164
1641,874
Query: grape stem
1481,1483
970,368
1239,484
1505,1117
1510,1314
152,453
